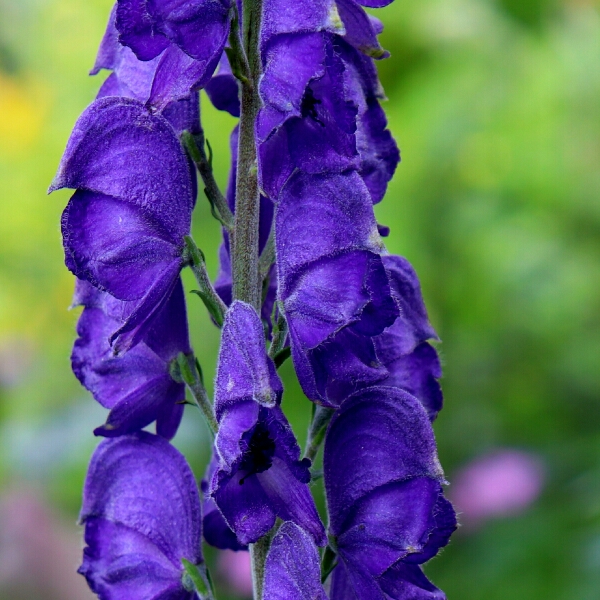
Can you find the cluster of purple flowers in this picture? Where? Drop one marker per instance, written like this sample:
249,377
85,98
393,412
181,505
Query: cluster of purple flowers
319,156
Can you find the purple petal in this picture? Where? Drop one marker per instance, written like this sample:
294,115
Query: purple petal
360,32
375,3
260,476
139,408
115,245
291,498
142,514
292,569
290,63
214,527
418,374
245,506
408,582
177,75
245,372
142,317
350,582
379,426
337,207
281,17
119,149
109,51
413,322
137,30
199,27
122,564
391,522
223,89
136,386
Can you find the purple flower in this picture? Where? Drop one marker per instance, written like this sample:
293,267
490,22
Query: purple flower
307,122
333,284
386,506
292,570
260,475
137,387
123,228
141,512
198,28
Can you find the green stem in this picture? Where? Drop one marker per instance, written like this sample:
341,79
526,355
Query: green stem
215,306
194,144
258,558
267,256
245,247
316,431
203,402
191,378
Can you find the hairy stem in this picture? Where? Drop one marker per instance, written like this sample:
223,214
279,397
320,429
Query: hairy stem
186,372
258,557
316,432
194,144
216,307
246,285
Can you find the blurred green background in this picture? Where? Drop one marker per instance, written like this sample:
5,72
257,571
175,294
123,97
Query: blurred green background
496,107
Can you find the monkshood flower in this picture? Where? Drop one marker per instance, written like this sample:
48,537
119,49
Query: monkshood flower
292,570
320,94
387,510
310,126
142,516
137,387
166,82
332,283
171,28
123,229
260,475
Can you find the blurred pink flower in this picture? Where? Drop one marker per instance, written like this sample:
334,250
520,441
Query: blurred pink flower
498,484
39,554
235,569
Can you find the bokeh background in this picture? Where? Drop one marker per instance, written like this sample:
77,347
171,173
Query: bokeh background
496,107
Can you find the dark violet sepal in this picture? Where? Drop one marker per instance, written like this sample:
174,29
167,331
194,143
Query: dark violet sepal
123,228
307,121
244,371
284,17
379,154
214,527
137,387
412,364
199,28
292,570
142,516
360,31
333,284
223,89
405,581
386,506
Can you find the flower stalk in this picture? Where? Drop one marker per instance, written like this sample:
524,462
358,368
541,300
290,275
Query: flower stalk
245,245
